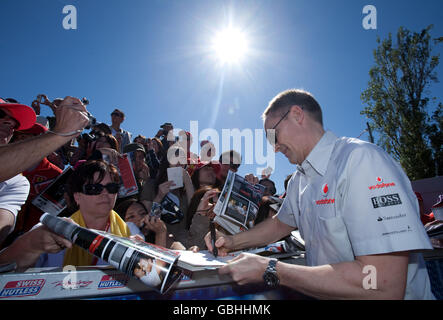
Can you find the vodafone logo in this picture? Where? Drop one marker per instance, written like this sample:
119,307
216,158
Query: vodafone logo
324,192
325,189
380,184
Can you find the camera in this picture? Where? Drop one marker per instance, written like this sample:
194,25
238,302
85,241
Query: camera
92,120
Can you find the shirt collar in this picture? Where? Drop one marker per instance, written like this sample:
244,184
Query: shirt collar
319,156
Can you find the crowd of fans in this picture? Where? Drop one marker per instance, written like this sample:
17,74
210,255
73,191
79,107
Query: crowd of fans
176,191
99,146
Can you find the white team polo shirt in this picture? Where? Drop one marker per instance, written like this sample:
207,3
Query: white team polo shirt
13,194
350,198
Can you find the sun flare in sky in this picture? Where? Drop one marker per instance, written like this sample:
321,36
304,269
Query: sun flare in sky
230,45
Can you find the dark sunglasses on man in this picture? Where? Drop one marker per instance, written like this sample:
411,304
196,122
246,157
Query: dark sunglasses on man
4,115
94,189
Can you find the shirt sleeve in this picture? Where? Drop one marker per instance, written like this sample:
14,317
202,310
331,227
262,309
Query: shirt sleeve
289,207
378,205
13,194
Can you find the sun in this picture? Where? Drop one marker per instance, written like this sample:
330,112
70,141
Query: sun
230,45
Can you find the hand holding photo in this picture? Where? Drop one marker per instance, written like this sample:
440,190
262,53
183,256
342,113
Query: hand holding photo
175,174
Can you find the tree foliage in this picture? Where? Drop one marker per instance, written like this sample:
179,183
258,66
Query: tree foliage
398,100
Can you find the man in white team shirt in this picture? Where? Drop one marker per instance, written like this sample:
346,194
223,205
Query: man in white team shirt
13,191
353,205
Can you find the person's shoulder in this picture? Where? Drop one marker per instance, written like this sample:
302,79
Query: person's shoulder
347,147
18,181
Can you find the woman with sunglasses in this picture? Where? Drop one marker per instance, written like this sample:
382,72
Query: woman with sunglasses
93,186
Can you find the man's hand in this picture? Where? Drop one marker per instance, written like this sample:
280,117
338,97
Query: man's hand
224,243
71,116
246,268
42,240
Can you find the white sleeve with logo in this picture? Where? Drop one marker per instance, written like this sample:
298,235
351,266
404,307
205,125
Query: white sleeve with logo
378,205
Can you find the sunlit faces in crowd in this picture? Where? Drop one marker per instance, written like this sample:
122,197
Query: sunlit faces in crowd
135,214
95,186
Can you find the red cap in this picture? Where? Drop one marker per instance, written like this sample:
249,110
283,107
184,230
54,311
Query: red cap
24,115
36,129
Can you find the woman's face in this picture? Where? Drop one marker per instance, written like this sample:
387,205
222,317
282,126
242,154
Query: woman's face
135,214
97,205
102,143
207,176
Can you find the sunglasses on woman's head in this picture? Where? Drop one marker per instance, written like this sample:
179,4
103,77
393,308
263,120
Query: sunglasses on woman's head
94,189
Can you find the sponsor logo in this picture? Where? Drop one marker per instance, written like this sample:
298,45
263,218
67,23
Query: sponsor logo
325,189
387,218
325,201
380,184
409,229
22,288
386,200
72,285
112,282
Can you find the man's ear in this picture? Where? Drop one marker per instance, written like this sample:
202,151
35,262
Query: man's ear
297,112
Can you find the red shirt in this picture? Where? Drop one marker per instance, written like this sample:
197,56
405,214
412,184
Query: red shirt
39,179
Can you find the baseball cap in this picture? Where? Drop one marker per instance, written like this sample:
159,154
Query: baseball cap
166,124
23,114
36,129
133,147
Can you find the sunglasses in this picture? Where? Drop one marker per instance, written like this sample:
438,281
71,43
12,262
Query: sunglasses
117,115
272,138
4,115
94,189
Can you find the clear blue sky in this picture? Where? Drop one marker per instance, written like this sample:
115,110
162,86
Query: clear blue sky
151,58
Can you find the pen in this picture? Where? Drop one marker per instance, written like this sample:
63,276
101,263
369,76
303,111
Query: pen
212,229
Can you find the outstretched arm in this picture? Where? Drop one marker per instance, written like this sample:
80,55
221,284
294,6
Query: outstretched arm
17,157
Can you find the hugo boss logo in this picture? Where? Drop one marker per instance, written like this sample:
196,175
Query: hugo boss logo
386,200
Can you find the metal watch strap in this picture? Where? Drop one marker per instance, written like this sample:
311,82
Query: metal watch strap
272,266
270,276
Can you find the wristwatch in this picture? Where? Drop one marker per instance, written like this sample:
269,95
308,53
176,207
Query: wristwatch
270,276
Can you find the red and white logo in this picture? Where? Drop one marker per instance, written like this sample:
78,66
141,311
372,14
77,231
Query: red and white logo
380,184
324,190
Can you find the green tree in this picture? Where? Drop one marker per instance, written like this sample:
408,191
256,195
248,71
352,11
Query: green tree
397,101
